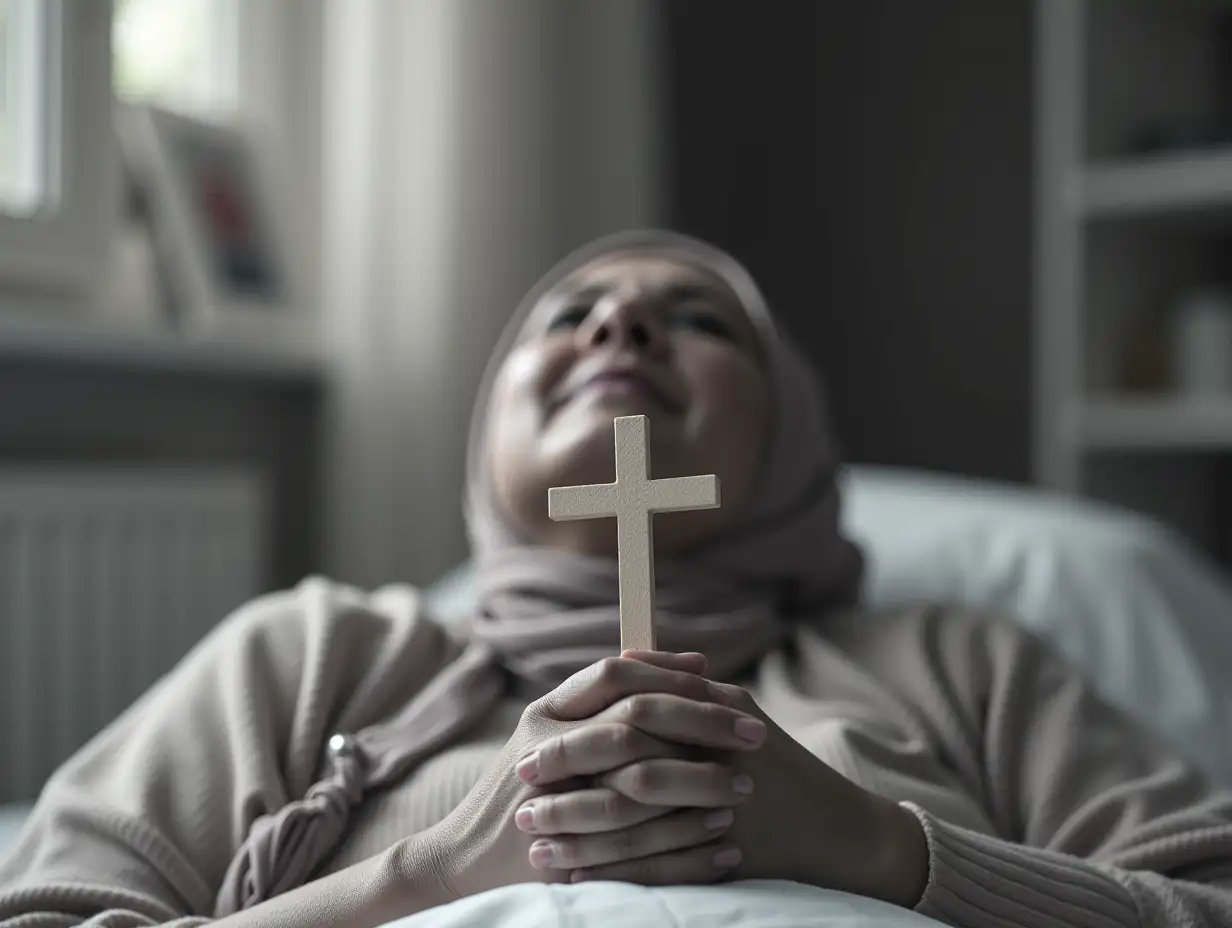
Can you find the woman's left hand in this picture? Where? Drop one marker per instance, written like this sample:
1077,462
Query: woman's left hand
804,822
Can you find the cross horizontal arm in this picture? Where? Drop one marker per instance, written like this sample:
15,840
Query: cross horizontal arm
675,494
595,500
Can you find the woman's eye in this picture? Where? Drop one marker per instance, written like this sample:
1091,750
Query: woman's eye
702,320
570,318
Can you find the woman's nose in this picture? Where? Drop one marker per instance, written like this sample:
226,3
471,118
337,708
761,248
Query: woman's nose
626,323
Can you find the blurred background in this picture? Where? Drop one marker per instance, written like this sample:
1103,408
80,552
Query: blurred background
254,254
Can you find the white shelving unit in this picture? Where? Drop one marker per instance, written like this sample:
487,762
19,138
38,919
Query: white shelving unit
1119,238
1163,424
1175,185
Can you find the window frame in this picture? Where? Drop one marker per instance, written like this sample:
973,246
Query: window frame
64,248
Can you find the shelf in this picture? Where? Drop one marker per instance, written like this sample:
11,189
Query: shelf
1162,185
79,340
1131,424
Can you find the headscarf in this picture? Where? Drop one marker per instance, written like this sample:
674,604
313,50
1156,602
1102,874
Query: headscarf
545,613
550,612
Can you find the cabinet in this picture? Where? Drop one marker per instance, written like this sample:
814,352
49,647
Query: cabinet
82,393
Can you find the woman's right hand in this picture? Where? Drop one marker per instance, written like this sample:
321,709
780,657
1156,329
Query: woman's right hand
617,714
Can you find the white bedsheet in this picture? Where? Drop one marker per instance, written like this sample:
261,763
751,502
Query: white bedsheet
749,904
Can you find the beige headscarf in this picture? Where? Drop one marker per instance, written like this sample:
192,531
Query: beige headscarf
549,612
545,614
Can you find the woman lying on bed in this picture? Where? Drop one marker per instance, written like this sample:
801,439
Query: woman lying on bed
331,756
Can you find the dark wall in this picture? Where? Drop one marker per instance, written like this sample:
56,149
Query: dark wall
871,161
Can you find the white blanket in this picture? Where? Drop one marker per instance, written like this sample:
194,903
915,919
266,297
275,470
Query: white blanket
749,904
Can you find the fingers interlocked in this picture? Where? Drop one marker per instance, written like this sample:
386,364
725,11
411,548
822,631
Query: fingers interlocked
636,728
652,808
670,832
648,798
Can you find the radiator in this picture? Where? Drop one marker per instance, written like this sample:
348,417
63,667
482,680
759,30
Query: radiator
107,579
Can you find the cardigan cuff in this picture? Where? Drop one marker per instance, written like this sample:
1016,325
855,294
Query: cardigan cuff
975,881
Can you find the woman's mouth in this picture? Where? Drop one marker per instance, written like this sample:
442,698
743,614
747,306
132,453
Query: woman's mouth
626,384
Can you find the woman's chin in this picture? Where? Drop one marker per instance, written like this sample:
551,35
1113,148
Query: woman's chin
581,449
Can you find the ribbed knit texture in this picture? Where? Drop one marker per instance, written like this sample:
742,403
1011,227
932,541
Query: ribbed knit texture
1042,807
975,880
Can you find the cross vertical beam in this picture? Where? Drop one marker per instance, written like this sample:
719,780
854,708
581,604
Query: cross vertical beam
635,534
633,499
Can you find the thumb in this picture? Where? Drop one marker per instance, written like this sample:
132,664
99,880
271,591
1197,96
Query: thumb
688,662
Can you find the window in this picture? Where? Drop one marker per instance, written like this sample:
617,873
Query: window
181,55
23,96
59,170
62,64
57,159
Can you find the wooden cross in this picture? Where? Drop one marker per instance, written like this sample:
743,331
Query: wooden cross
633,499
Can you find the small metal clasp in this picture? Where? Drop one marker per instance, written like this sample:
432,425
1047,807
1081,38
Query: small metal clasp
341,746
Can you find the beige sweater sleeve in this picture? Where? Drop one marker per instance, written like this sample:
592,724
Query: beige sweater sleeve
1111,827
138,828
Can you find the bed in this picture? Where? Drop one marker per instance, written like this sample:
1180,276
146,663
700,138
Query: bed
1147,617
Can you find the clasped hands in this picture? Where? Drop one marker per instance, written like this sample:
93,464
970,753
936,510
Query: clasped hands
639,769
655,805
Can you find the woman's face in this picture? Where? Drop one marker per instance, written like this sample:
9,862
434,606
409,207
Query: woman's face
624,335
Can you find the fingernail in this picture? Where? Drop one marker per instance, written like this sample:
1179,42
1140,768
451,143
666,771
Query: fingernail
720,818
528,768
728,857
542,853
743,784
750,729
525,817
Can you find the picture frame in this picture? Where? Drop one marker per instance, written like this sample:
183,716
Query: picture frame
216,239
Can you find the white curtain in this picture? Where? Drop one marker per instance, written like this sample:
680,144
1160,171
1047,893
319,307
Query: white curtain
468,144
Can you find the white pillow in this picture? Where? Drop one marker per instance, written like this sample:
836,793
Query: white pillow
12,818
750,904
1145,615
